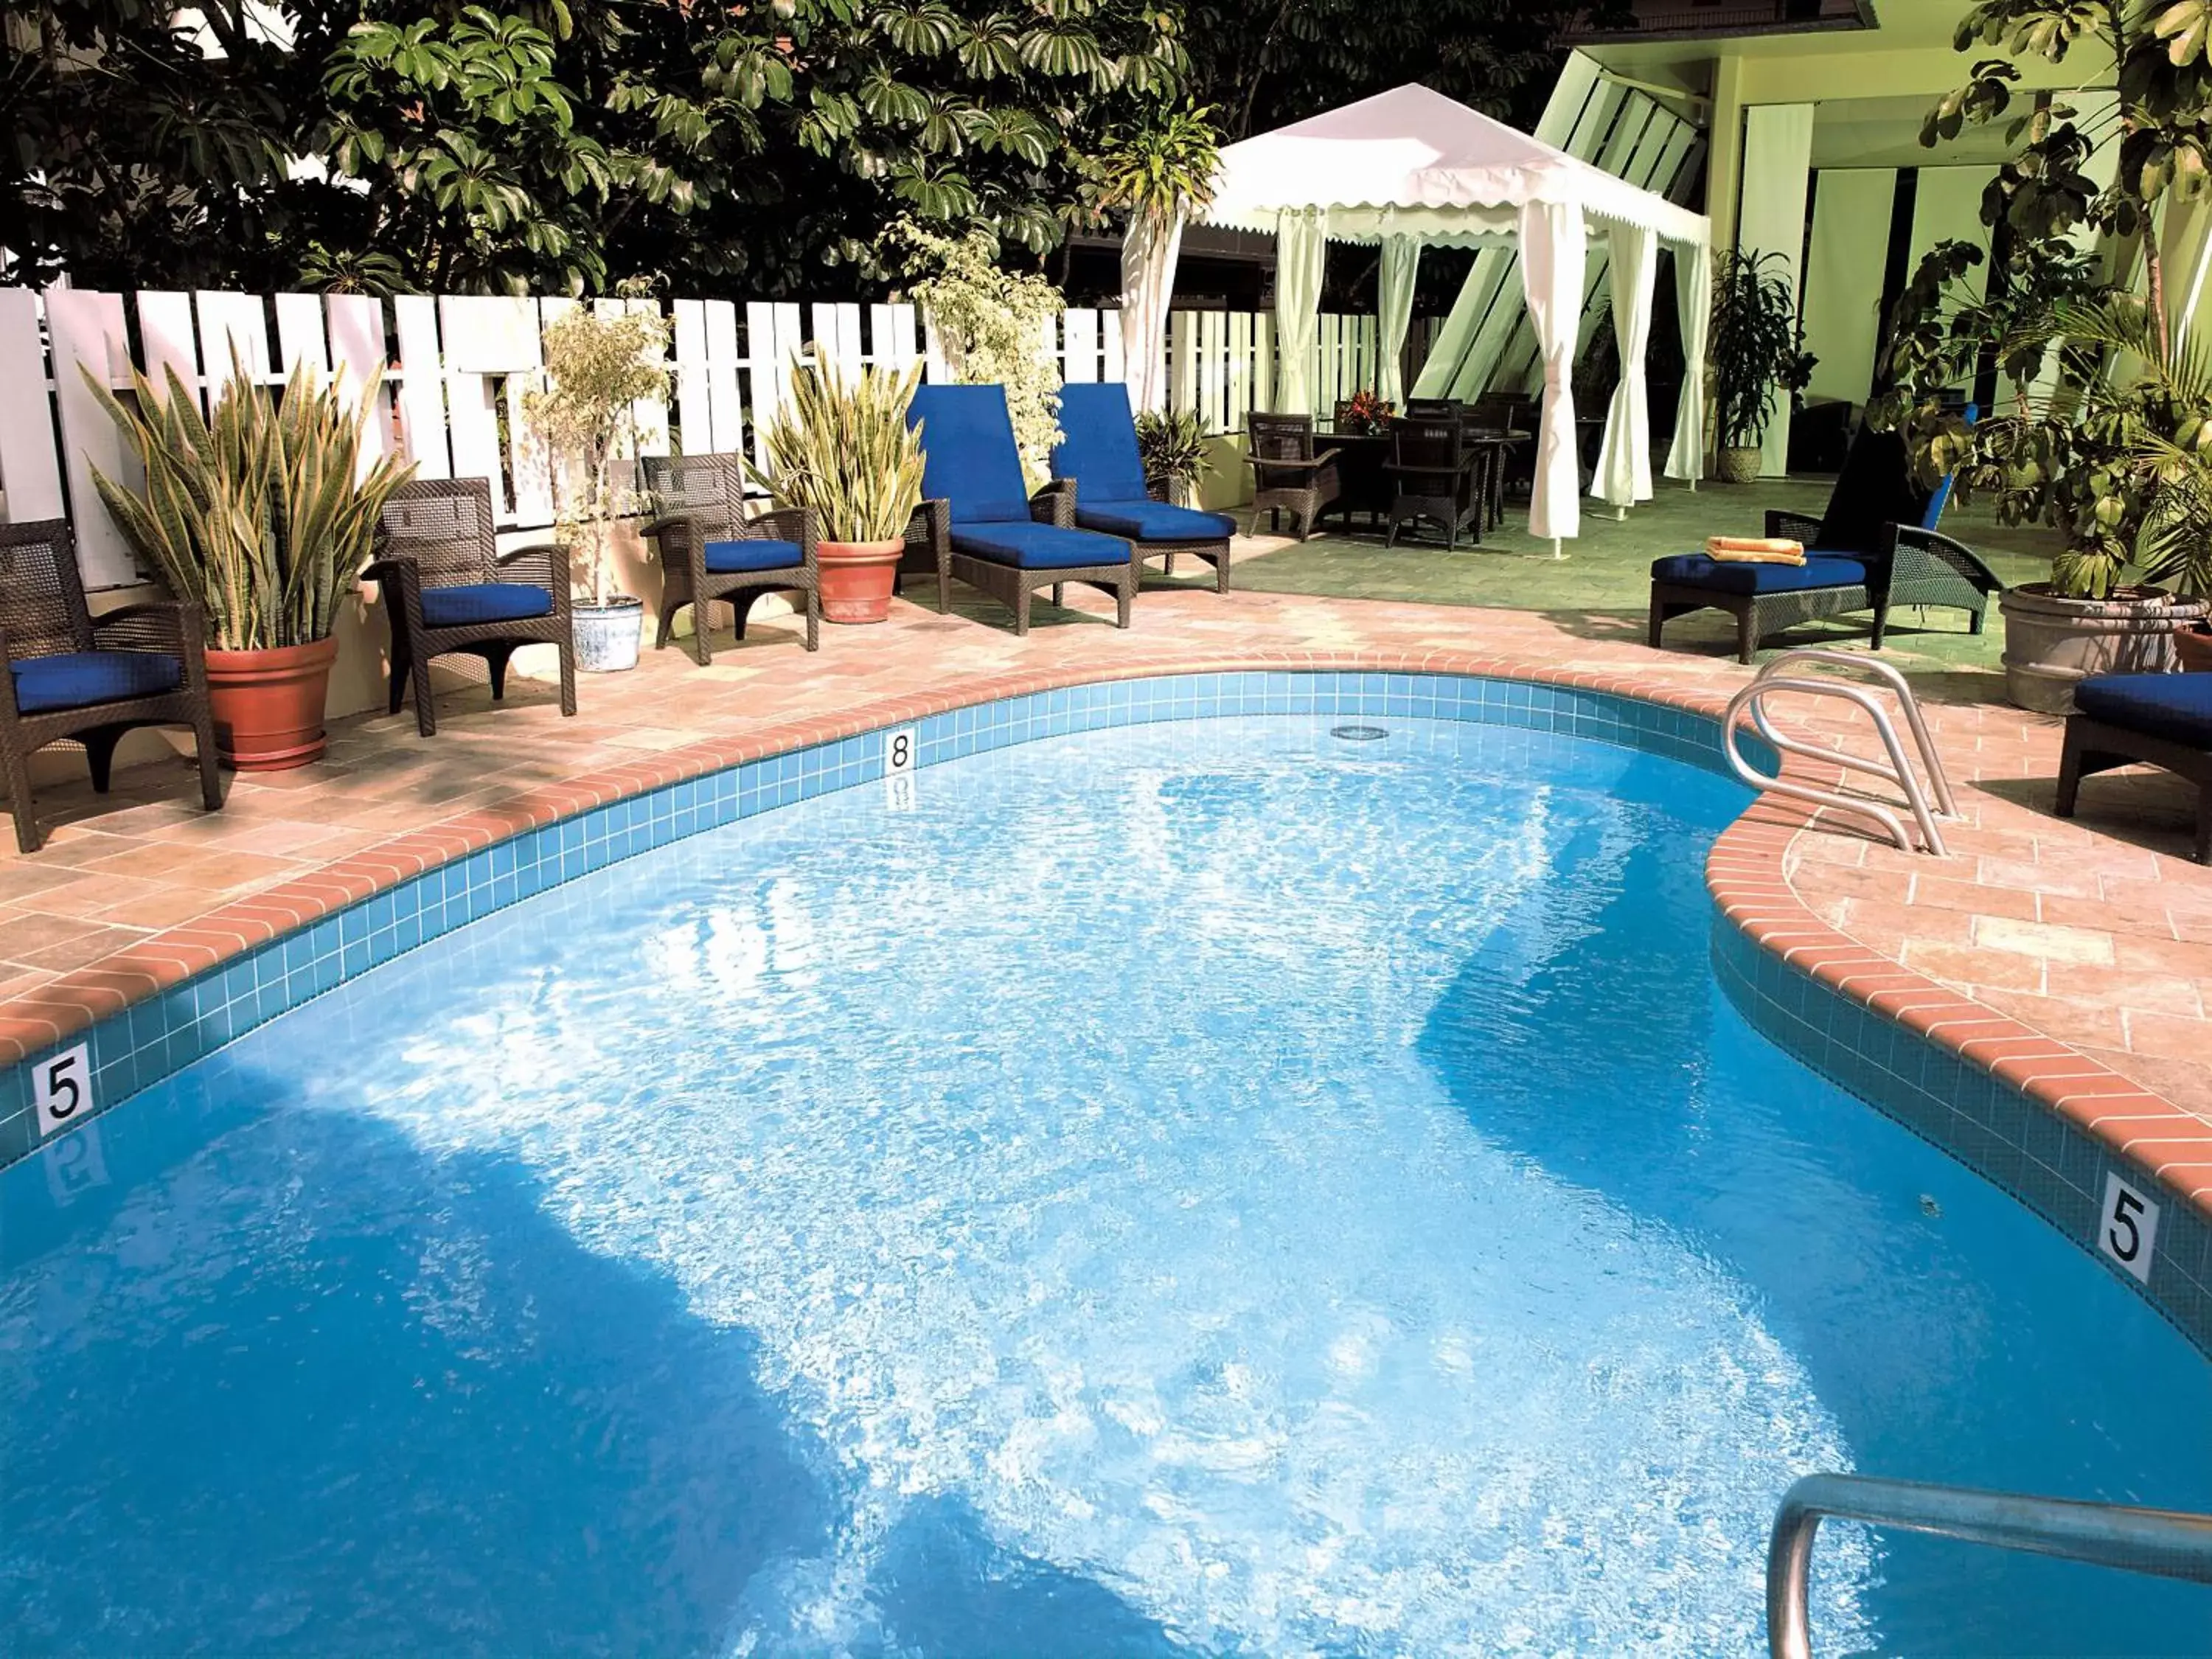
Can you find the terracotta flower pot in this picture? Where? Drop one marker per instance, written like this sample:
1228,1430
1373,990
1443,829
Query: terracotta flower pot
856,579
268,705
2195,651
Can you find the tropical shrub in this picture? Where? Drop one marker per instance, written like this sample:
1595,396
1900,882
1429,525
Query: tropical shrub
2103,413
258,512
1172,447
1754,346
1162,168
989,323
843,451
599,365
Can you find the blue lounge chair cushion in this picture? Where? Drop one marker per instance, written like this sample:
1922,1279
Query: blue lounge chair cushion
968,458
1097,445
727,558
1029,546
77,679
1728,576
483,602
2175,707
1152,522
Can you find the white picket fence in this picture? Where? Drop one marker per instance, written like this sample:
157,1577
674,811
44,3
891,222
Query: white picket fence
455,370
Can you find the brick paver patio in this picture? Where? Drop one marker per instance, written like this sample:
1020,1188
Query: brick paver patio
2095,935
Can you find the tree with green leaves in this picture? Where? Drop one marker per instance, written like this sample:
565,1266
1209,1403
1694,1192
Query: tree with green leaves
2101,398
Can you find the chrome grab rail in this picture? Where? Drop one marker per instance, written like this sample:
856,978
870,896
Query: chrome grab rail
1771,679
2167,1543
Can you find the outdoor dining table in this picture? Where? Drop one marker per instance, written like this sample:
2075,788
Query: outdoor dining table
1365,485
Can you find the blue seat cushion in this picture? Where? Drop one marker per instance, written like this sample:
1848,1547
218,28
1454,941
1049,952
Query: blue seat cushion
77,679
2175,707
1097,445
1152,522
1728,576
968,457
727,558
483,602
1031,546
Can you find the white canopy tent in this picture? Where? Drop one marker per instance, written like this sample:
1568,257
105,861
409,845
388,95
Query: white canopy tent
1412,168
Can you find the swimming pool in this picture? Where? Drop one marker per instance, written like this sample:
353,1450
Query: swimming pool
1219,1187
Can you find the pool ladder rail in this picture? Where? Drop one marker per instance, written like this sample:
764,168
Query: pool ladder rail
2167,1543
1786,674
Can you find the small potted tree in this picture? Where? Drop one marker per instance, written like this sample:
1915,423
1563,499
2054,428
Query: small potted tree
262,514
599,366
1752,349
843,451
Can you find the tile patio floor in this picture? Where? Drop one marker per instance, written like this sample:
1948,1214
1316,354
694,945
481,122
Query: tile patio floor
2094,933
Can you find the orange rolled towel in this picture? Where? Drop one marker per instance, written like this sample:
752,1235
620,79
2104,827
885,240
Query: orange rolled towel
1754,549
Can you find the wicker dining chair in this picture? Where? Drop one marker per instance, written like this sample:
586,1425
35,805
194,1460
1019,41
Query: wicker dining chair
448,588
1288,477
75,677
710,547
1434,474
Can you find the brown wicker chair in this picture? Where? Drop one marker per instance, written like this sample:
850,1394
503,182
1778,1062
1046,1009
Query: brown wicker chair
448,588
711,550
1288,477
1433,469
90,679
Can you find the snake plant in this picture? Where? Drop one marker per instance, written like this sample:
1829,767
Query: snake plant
261,511
843,450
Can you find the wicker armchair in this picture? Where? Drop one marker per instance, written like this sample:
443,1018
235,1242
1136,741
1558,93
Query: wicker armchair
1288,477
90,679
446,588
1433,469
710,548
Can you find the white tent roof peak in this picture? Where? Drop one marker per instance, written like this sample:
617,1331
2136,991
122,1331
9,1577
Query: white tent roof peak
1411,161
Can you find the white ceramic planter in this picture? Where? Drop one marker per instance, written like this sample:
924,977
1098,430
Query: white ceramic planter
2051,644
607,636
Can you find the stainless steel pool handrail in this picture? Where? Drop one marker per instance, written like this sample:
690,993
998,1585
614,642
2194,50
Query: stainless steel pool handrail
2167,1543
1907,704
1899,770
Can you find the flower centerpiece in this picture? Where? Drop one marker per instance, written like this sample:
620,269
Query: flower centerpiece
1365,412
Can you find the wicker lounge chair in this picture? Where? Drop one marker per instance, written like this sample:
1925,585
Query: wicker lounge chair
978,522
1434,469
1288,477
72,676
1876,547
447,589
2152,720
1097,461
711,549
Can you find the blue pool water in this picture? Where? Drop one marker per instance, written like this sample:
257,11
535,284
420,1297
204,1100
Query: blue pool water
1202,1187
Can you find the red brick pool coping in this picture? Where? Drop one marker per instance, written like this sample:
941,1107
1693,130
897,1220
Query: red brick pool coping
1747,873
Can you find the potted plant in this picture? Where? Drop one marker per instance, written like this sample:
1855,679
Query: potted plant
1172,448
2098,431
985,322
599,367
263,513
843,451
1752,349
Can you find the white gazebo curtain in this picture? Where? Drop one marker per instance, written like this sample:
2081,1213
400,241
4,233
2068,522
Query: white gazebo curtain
1301,250
1693,306
1401,262
1624,463
1553,258
1148,267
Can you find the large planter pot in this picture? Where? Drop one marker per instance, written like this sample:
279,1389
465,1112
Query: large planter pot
606,635
2195,651
268,705
1740,466
2051,642
857,578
